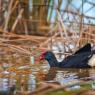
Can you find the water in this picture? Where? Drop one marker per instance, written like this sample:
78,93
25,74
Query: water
72,77
29,82
84,74
21,76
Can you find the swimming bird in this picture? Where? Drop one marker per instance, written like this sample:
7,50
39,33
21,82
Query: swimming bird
83,58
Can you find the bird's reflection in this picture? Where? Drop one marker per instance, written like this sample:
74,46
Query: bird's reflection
80,73
72,77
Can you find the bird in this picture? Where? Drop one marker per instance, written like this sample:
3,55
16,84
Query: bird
82,58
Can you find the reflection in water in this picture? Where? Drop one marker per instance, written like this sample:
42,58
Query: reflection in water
84,74
74,87
92,73
4,84
24,77
93,84
7,86
28,82
72,77
66,79
32,83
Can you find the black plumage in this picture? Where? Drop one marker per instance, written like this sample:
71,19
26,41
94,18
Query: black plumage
79,59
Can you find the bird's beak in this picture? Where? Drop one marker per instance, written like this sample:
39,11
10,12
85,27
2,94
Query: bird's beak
42,56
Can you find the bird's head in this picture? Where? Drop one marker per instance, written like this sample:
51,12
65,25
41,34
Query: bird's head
46,55
50,57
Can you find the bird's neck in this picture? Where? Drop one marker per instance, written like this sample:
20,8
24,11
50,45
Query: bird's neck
53,62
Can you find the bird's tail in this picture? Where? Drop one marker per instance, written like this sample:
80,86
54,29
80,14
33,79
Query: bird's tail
85,48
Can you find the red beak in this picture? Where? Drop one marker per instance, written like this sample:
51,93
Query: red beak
42,57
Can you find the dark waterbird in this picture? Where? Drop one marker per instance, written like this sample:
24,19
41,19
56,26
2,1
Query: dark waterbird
82,58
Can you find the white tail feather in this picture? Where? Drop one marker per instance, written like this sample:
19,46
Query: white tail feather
91,62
